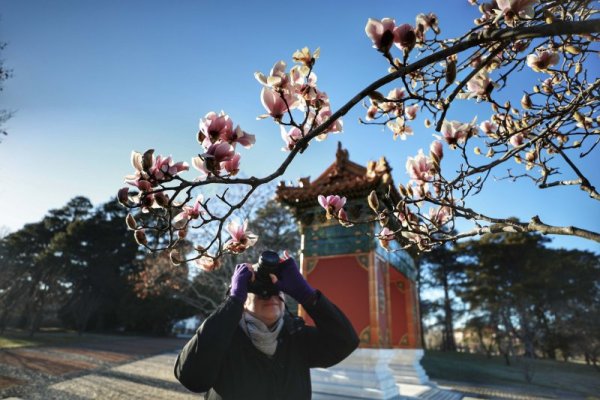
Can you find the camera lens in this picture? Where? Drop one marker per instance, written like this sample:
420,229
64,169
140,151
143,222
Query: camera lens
268,259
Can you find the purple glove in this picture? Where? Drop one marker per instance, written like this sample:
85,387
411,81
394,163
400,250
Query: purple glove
239,282
291,281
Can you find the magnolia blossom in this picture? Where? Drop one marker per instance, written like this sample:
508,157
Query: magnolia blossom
385,237
150,170
514,9
406,217
188,213
207,263
241,238
480,86
399,128
516,140
210,162
436,149
240,136
165,169
213,127
305,58
405,37
274,103
455,132
343,218
277,78
440,215
392,102
324,114
290,138
426,21
543,60
381,33
488,127
232,166
332,204
411,111
420,168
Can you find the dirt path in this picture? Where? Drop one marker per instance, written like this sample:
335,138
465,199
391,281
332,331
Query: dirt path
123,365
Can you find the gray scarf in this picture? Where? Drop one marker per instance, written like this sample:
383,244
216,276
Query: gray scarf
263,338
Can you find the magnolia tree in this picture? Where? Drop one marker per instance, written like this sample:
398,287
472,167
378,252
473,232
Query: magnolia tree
543,136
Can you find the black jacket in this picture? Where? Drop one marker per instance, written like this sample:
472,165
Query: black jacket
222,361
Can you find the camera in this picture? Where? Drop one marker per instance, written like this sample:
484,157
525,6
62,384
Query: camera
268,263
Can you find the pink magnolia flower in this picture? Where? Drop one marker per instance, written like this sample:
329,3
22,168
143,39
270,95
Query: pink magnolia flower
163,169
232,166
241,238
332,204
516,140
420,168
213,127
274,104
514,9
455,132
343,218
188,213
385,237
381,33
406,217
399,128
371,113
277,78
480,86
239,136
488,127
411,111
542,61
207,263
290,138
436,149
405,37
426,21
324,114
210,162
440,215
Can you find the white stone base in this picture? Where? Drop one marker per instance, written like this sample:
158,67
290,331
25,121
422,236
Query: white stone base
386,374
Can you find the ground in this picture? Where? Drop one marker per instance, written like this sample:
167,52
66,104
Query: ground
65,366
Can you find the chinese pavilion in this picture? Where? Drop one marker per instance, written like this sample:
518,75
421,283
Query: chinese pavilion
375,288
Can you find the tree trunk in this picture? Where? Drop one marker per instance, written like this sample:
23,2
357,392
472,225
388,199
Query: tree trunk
448,343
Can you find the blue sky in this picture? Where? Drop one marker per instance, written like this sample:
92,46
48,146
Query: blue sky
94,80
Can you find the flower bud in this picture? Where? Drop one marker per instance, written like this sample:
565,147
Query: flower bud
123,197
450,72
548,17
402,190
182,233
572,50
490,153
526,102
376,97
130,221
477,150
427,123
530,156
578,117
373,201
175,257
147,159
578,68
140,237
161,199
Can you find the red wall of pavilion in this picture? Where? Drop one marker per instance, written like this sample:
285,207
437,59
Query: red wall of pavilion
402,303
345,281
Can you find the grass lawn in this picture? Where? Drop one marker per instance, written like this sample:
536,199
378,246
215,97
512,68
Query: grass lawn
547,374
